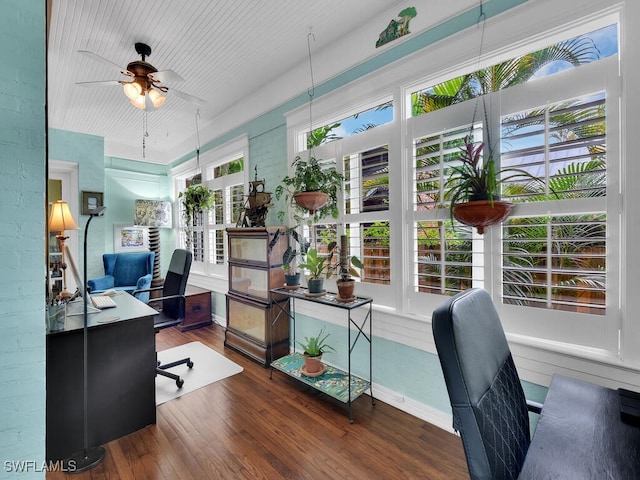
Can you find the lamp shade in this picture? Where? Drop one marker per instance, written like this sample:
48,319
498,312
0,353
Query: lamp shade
153,213
61,218
156,98
132,90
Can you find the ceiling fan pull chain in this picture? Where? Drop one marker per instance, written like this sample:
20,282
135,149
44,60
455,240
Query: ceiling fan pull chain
145,133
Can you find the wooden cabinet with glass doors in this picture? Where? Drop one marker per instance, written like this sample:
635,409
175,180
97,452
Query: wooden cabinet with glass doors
255,268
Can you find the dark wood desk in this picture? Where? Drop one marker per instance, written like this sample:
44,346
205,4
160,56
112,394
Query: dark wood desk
580,436
121,376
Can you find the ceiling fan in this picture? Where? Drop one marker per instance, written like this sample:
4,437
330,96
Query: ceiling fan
144,88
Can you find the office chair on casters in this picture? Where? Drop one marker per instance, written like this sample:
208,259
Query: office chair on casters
489,408
173,305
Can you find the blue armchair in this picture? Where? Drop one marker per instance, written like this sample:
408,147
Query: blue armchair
125,271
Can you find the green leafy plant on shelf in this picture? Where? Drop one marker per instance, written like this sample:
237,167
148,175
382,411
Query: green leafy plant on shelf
315,263
316,346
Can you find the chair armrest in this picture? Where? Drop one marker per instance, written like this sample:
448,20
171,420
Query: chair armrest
143,290
168,297
534,407
101,283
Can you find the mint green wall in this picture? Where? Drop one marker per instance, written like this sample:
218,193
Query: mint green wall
22,235
122,188
88,152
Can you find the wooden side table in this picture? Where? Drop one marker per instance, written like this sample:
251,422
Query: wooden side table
197,309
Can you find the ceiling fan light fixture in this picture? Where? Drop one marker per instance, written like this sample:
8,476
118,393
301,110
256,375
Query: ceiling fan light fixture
132,90
156,98
138,102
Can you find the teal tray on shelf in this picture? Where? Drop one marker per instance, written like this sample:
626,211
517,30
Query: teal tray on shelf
333,382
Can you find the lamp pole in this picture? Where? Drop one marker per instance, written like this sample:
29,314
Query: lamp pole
89,457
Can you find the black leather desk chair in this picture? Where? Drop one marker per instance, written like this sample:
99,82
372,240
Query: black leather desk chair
173,305
488,403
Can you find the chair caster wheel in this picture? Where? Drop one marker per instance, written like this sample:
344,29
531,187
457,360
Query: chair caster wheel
179,383
190,364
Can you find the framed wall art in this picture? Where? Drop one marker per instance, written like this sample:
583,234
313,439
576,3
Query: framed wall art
91,201
130,238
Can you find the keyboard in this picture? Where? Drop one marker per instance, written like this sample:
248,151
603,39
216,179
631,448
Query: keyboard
102,301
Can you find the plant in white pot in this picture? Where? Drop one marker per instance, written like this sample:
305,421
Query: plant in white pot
313,348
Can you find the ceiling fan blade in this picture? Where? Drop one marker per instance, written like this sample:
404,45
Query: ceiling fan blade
166,76
98,83
101,59
187,97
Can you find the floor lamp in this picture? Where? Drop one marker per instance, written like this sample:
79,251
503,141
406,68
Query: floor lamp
89,457
59,221
154,214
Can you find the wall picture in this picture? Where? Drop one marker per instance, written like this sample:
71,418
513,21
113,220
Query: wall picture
129,238
91,201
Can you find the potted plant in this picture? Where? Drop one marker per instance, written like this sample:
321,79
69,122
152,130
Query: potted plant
473,188
317,265
290,259
313,348
344,266
312,188
195,198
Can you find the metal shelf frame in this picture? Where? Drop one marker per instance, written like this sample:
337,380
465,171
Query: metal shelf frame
329,299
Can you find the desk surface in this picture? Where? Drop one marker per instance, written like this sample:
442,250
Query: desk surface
580,436
128,307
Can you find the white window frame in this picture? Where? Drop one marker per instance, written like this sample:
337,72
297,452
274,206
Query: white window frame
504,38
236,148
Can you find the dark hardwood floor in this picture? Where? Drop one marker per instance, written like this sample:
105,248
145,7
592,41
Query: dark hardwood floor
250,427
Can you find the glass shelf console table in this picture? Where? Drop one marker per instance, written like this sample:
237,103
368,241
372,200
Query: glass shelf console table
335,382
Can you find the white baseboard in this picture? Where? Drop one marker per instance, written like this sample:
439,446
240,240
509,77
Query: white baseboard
412,407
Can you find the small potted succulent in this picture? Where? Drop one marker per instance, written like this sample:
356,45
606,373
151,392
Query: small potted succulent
313,348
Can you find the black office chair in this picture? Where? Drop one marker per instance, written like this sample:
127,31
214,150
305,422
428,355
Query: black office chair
489,407
173,305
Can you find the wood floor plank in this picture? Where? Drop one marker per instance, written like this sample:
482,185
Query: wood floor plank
249,426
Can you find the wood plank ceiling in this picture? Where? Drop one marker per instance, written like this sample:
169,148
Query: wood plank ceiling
226,51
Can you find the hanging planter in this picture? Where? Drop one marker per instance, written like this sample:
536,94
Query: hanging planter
311,201
482,213
311,189
473,188
195,198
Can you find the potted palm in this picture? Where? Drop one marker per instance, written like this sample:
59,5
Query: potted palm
473,188
313,348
